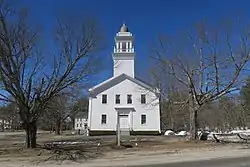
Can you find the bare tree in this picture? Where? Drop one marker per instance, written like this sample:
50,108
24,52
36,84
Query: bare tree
62,108
9,118
62,111
21,72
174,116
79,106
58,111
210,64
223,115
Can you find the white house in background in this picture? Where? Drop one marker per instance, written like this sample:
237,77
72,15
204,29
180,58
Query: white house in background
81,123
123,99
5,124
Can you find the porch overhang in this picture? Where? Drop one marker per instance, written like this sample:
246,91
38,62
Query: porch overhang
124,107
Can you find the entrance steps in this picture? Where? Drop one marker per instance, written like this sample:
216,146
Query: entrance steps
125,133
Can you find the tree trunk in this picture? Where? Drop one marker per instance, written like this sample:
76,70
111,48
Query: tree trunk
194,124
27,131
73,123
58,128
193,111
2,125
33,132
50,130
61,127
171,120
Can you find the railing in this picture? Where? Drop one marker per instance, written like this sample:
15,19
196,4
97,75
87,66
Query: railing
124,34
123,50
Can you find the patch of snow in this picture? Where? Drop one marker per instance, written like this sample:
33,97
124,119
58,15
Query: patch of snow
240,131
245,132
182,133
210,136
169,132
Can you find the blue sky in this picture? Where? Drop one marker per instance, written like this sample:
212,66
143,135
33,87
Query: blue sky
145,19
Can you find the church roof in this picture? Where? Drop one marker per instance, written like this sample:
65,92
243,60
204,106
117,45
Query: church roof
116,80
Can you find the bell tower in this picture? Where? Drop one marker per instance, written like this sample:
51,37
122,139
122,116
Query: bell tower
124,55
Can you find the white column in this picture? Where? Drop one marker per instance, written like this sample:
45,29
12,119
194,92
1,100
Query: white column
117,46
127,47
120,47
130,46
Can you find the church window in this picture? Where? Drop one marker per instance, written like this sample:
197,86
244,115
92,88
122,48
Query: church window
143,119
104,119
117,99
104,99
129,99
143,99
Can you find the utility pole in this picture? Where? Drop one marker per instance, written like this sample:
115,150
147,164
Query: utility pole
118,131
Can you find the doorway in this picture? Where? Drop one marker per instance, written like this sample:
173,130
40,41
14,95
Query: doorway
124,121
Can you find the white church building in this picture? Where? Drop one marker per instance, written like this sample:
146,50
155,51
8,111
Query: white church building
123,100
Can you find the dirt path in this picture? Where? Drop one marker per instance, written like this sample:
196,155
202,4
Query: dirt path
145,157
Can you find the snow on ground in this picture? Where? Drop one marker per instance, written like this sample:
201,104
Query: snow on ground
169,132
245,132
229,136
182,133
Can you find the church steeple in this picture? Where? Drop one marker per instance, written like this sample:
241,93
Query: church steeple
124,28
124,54
124,40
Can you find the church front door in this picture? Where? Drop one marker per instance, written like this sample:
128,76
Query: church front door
124,123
